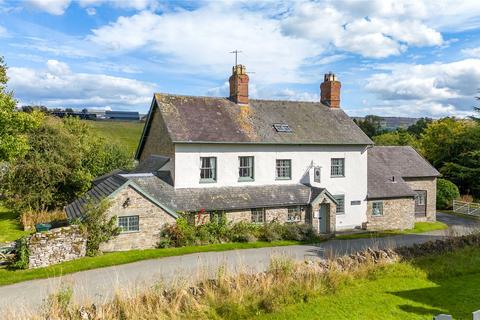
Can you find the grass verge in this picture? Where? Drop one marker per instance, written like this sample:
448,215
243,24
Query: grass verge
445,283
116,258
420,227
10,228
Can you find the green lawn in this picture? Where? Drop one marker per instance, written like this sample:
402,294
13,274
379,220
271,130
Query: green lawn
10,228
120,132
420,227
116,258
428,286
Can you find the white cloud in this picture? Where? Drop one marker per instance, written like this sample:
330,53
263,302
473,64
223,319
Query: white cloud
438,88
3,32
91,11
472,52
55,7
57,85
383,30
123,4
201,39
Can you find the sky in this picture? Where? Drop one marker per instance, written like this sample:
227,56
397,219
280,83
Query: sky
393,57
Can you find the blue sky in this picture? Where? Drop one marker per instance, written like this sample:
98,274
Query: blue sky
394,57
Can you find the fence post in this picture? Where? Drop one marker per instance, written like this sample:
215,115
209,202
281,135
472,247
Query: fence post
476,315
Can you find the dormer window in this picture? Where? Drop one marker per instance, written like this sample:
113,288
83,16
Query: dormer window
282,127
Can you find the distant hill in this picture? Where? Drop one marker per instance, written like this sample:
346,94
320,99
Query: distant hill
392,123
126,134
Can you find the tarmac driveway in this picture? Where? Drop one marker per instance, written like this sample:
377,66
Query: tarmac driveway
100,284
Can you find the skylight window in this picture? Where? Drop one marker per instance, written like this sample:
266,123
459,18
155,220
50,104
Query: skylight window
282,127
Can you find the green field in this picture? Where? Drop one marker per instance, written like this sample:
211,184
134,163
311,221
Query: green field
445,283
120,132
10,228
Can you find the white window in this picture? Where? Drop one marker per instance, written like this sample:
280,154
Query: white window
338,167
377,208
294,214
245,171
341,203
208,169
284,169
258,215
128,223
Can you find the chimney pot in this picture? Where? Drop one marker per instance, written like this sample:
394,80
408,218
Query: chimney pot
239,84
330,91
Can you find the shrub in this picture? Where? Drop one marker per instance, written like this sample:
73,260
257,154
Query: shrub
244,232
447,191
98,227
177,235
272,231
22,254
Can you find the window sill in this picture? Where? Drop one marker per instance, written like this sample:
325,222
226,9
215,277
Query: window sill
377,215
208,181
284,179
245,179
128,232
337,176
340,213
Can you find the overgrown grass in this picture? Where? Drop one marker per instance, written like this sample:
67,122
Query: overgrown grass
123,133
414,289
427,286
116,258
10,227
420,227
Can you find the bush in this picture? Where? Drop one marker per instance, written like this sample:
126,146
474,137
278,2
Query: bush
98,227
22,254
447,191
184,233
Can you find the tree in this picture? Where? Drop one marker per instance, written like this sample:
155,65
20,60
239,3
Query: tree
371,125
396,138
84,110
69,110
419,127
14,125
447,191
65,156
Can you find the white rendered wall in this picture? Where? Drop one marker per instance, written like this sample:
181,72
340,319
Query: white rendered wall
353,185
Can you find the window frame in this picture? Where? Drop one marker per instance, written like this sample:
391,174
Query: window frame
373,208
129,223
297,212
332,166
254,213
251,167
342,198
213,169
277,167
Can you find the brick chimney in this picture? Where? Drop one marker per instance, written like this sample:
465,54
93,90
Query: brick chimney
239,84
330,91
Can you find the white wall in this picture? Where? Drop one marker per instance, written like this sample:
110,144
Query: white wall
353,185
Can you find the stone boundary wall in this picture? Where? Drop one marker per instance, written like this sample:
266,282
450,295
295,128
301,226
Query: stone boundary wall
56,246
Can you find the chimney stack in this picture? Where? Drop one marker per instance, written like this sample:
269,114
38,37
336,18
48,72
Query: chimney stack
239,85
330,91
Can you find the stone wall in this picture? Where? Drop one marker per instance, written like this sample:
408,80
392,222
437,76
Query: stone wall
128,202
271,214
430,185
56,246
398,214
157,140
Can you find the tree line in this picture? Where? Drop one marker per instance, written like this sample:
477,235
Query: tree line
47,162
450,144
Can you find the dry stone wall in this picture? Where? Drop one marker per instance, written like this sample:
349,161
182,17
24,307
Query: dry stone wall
56,246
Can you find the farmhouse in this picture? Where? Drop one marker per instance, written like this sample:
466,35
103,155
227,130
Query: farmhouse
260,161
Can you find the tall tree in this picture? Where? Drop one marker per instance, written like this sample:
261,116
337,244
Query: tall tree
419,127
371,125
14,125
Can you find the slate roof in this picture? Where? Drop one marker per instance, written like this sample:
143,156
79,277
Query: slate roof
152,163
387,168
191,119
196,199
224,198
99,192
